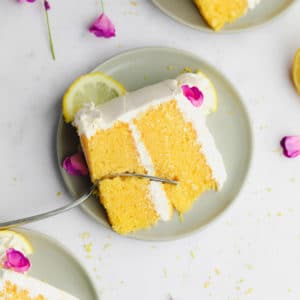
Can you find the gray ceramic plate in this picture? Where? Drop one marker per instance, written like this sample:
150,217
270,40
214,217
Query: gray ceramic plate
229,125
54,264
185,11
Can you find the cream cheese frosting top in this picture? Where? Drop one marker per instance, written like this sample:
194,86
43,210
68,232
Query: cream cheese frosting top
92,118
33,286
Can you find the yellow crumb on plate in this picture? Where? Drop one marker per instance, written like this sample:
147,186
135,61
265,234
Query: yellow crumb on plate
85,235
88,247
249,291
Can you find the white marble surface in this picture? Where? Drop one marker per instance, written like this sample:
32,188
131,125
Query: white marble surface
253,251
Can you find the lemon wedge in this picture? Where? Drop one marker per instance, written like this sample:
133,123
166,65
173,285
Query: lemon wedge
296,71
12,239
211,87
94,87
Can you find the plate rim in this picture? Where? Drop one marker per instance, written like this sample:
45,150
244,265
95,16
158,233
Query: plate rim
212,221
25,230
225,31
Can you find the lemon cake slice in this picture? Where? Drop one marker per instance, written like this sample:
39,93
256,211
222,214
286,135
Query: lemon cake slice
158,130
16,286
219,12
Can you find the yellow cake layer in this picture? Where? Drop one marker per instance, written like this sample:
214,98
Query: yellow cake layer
219,12
126,200
128,204
176,154
111,151
12,292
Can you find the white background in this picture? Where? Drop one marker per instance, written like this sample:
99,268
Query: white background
253,251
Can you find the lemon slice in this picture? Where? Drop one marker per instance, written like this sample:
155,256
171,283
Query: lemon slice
296,71
94,87
212,89
11,239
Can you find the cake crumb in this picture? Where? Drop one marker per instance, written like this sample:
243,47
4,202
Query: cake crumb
88,247
193,254
170,67
133,3
289,290
58,194
85,235
106,246
249,291
186,70
279,214
206,284
269,190
217,271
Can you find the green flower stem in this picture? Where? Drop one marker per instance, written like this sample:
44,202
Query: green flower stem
102,6
50,35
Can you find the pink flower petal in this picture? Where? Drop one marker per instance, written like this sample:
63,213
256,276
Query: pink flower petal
75,165
47,5
16,261
291,146
193,94
22,1
103,27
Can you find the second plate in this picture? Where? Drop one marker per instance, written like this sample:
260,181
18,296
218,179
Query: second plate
185,11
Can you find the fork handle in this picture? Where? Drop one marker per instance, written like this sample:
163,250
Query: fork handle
23,221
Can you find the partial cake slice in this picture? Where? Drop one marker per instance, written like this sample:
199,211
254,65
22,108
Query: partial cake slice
158,130
219,12
16,286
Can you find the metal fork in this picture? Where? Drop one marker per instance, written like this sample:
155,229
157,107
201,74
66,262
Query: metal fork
85,196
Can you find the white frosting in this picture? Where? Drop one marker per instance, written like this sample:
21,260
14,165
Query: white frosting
157,192
90,119
253,3
34,286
